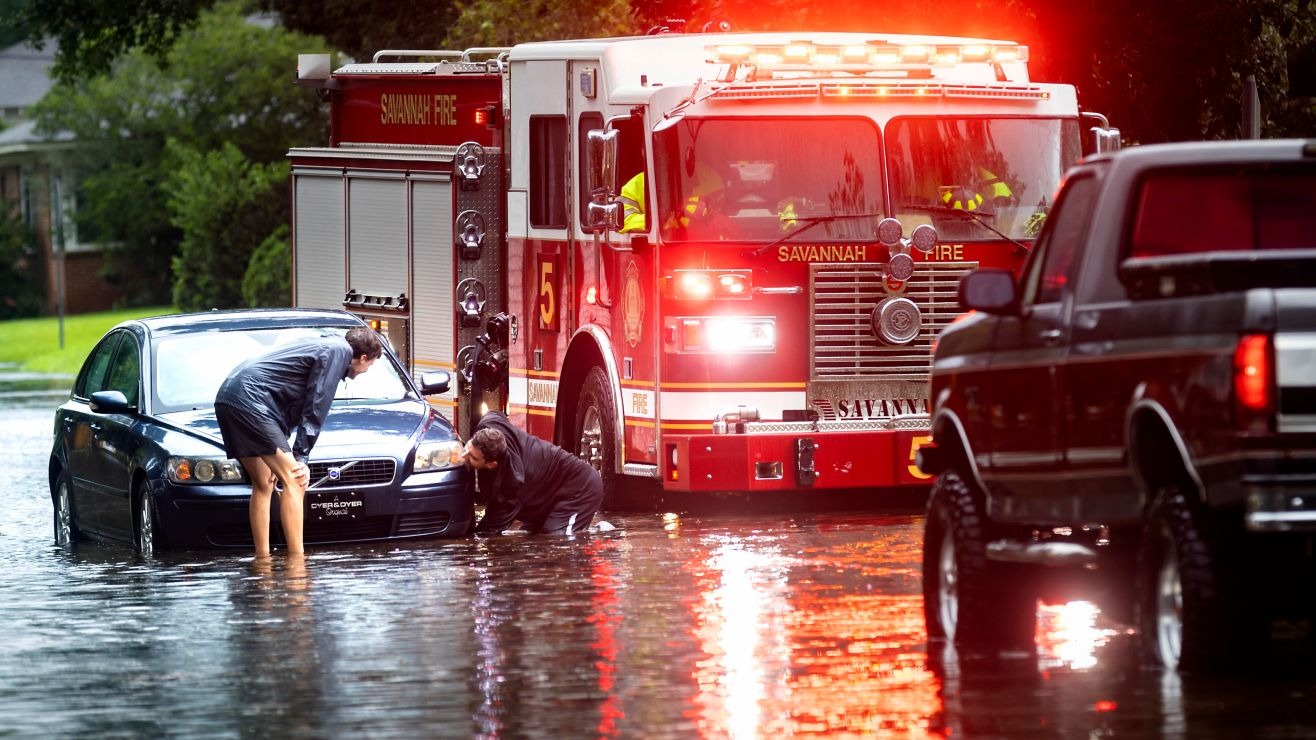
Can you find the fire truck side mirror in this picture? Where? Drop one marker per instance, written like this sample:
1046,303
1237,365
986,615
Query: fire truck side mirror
601,163
1106,139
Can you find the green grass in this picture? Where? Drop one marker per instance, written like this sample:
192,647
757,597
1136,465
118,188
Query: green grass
33,344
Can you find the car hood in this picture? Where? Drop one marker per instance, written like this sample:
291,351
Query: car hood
355,428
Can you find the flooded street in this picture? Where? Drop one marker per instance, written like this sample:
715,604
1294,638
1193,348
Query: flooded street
705,625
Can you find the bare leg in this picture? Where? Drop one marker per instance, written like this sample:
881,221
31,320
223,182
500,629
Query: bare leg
258,510
294,478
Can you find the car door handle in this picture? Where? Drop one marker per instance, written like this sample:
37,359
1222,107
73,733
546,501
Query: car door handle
1050,336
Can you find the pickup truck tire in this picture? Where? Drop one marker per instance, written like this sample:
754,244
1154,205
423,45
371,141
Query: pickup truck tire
968,599
1182,618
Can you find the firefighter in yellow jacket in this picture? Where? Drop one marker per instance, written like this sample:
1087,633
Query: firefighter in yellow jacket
632,195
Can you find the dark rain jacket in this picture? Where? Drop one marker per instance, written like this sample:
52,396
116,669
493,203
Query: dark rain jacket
293,385
531,479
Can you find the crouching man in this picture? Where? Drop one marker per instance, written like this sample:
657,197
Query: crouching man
524,477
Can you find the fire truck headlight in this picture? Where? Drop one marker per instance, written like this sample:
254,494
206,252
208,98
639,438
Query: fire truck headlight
924,238
728,334
896,320
901,267
695,285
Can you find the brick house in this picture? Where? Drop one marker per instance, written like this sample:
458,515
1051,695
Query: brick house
31,169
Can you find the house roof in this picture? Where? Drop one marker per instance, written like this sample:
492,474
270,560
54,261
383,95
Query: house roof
26,72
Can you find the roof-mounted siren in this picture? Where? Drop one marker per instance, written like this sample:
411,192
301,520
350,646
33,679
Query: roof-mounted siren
1104,137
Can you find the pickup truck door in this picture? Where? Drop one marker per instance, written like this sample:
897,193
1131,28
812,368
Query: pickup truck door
1026,412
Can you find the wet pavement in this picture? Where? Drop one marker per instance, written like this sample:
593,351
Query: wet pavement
678,625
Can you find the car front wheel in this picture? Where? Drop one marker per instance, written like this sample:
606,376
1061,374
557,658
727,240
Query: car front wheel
147,539
967,599
66,532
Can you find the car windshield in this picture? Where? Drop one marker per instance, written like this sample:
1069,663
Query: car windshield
189,368
1003,170
763,179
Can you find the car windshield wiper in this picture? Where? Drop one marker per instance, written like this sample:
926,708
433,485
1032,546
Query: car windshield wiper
978,218
808,222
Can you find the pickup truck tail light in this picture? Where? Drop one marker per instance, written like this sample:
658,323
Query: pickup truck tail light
1254,383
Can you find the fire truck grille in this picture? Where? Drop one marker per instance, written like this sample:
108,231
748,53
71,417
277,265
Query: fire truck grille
844,346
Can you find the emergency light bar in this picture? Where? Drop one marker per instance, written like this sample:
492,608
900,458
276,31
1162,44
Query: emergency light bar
874,56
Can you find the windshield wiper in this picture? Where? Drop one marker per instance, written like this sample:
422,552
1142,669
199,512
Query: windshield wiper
808,222
972,216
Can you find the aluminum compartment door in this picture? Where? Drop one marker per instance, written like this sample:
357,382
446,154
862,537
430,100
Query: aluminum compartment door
377,236
319,281
432,306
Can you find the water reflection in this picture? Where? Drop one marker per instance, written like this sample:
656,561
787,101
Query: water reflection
672,626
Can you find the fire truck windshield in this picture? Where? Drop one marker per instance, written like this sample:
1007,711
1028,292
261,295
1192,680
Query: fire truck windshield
760,179
1003,170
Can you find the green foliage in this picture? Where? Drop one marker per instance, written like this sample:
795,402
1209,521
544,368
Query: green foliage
268,282
93,34
226,82
360,29
500,23
21,274
11,28
225,206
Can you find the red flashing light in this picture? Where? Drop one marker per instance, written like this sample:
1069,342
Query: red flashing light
481,116
592,295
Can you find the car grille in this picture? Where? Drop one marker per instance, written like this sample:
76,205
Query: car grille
351,473
367,528
418,524
844,346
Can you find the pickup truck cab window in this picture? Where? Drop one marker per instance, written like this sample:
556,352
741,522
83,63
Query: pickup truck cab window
1050,269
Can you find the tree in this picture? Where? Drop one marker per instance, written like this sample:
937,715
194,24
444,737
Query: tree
500,23
21,273
93,34
268,282
226,82
360,29
225,206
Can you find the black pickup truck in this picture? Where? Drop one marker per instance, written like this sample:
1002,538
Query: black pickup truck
1138,408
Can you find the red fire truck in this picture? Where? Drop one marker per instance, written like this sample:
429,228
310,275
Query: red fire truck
756,312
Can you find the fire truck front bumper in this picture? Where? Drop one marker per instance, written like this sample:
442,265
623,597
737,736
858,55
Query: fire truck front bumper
786,456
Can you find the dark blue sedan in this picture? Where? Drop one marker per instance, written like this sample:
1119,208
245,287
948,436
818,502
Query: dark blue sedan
138,456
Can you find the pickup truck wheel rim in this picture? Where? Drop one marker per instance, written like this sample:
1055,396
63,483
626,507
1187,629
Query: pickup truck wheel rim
948,586
1169,611
63,515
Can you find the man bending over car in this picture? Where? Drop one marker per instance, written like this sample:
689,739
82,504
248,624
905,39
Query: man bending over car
261,402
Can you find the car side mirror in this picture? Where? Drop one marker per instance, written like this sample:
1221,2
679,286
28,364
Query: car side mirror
991,291
110,402
435,382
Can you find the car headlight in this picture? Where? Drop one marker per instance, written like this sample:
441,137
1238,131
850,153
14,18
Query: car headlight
202,470
437,455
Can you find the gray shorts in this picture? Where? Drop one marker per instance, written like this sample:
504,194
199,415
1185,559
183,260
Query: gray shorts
248,434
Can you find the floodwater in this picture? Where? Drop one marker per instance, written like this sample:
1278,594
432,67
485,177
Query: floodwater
674,625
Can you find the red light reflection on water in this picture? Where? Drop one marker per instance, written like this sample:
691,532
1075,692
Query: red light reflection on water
793,646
